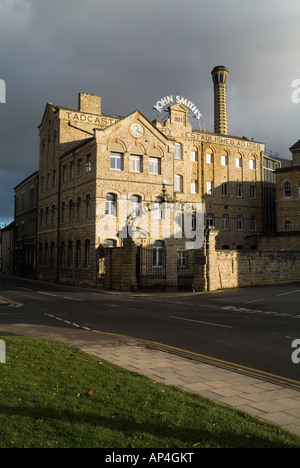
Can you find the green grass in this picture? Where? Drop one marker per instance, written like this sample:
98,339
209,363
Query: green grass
54,395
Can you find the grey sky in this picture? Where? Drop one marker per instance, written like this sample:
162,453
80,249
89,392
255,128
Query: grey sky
132,53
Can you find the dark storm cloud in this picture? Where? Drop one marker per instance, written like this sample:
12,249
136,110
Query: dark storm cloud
133,52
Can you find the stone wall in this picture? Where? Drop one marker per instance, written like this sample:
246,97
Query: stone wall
233,268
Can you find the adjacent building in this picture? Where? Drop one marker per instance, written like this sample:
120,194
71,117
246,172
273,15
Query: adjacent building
25,227
288,193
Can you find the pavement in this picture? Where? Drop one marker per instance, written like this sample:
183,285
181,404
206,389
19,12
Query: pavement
259,396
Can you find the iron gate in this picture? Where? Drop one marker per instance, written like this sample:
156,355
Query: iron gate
151,267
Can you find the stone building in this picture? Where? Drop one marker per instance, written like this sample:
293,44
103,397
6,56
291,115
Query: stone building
25,236
123,201
288,193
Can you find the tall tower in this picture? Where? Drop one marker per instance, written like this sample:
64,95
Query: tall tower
219,76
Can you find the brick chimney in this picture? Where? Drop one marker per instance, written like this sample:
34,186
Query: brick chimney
219,76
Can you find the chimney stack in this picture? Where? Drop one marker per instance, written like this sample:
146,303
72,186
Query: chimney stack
219,76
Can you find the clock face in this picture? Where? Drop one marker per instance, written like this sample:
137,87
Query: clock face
136,130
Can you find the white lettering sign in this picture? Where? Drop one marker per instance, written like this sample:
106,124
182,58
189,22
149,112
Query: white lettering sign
165,101
90,119
296,93
2,92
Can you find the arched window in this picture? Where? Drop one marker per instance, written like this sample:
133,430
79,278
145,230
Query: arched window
78,254
158,208
78,208
225,222
52,254
87,253
210,219
88,206
62,254
70,253
53,214
253,225
240,223
111,204
109,243
135,206
287,189
63,212
71,210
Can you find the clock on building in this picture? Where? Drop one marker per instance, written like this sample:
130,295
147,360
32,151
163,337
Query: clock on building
136,130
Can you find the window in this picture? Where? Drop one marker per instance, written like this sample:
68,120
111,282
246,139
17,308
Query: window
209,188
47,216
48,181
239,191
62,254
288,226
210,219
88,206
78,208
225,189
154,165
52,255
240,222
63,212
64,173
178,183
298,189
209,158
136,163
225,222
111,205
70,253
182,258
71,170
87,253
287,189
78,254
194,155
158,208
253,192
71,210
116,161
54,179
135,206
88,166
224,160
252,164
41,217
46,254
253,224
53,215
178,151
194,186
109,243
79,167
238,162
158,253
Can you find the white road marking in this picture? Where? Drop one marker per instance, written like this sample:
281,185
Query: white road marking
199,321
47,294
256,300
291,292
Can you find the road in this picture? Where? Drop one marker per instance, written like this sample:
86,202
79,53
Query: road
253,328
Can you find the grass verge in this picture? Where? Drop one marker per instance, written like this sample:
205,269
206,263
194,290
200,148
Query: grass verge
54,396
